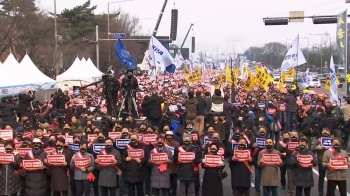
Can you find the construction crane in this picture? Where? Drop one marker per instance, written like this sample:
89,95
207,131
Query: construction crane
183,43
159,19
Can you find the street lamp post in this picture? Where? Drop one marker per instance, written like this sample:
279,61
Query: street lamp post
321,48
56,42
108,33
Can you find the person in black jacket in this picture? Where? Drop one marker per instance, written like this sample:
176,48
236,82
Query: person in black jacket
155,109
291,109
134,167
145,106
7,113
306,126
24,102
199,123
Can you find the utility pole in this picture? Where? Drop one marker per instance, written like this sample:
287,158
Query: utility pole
56,41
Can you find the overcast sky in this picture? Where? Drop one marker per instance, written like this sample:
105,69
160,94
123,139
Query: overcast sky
224,25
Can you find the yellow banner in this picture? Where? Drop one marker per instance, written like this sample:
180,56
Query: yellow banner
327,84
195,76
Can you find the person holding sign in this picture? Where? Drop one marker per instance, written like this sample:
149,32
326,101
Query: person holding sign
94,148
10,181
160,158
35,182
257,146
282,147
213,166
171,144
134,161
107,162
337,163
240,167
83,164
269,160
303,161
292,145
59,178
188,159
319,148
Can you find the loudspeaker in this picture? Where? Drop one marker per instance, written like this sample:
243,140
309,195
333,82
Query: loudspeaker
193,45
173,30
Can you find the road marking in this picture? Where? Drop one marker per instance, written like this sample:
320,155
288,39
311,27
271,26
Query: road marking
325,179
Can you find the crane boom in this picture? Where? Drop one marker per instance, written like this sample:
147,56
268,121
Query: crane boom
159,19
183,43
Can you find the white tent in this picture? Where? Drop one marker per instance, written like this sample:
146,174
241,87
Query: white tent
92,67
76,75
37,79
13,79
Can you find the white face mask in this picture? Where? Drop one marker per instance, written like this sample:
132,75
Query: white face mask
334,104
261,119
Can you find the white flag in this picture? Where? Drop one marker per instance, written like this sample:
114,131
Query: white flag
159,56
334,85
305,78
179,59
294,56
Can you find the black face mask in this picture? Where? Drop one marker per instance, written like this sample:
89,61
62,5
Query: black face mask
213,151
165,130
237,135
66,130
294,139
125,134
25,144
189,129
8,150
101,139
160,145
108,147
142,130
149,132
76,142
285,140
59,147
133,142
269,146
36,147
248,133
187,143
262,134
51,143
210,134
336,146
19,135
215,139
325,135
242,146
82,150
302,147
169,140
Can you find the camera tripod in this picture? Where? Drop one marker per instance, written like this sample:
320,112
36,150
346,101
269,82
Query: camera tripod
128,96
109,100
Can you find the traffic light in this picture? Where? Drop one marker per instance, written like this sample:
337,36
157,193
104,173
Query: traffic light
273,22
325,20
193,45
173,30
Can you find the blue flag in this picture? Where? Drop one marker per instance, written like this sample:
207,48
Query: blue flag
166,45
124,56
171,68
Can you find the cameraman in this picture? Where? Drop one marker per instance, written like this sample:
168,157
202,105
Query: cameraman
129,87
7,113
111,85
24,102
59,102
